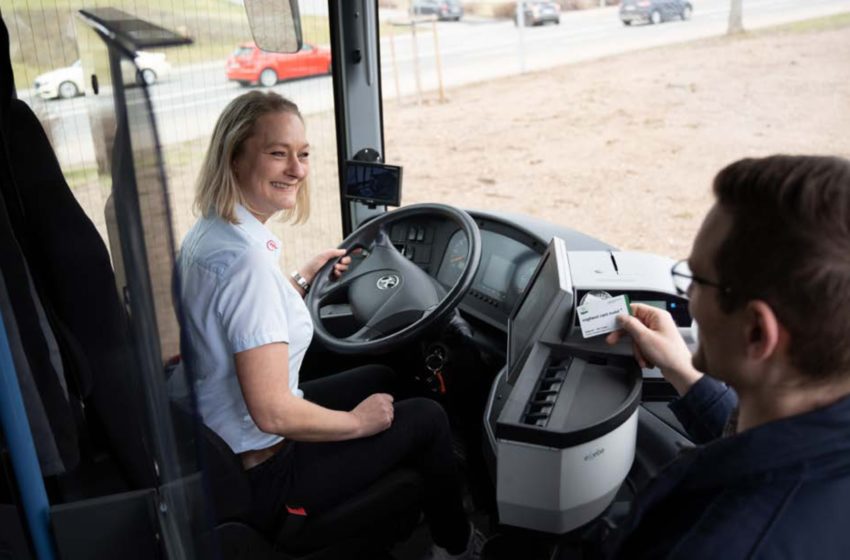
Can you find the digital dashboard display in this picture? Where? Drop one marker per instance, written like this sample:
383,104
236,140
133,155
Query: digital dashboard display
497,276
506,266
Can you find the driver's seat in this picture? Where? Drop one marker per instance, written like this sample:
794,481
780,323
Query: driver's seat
361,527
71,271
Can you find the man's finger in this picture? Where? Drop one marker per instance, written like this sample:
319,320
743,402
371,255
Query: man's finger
632,325
643,312
641,359
614,337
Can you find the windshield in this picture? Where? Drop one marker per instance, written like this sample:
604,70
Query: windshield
609,123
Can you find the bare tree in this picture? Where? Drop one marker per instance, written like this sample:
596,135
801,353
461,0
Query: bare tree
736,17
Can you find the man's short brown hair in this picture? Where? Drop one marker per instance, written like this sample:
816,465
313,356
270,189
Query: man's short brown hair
789,245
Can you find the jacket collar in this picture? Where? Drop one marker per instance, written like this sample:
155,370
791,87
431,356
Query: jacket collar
816,441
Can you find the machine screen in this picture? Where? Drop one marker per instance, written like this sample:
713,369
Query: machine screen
660,304
675,305
537,298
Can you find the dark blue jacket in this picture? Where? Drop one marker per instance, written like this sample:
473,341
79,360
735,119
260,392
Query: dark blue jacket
780,490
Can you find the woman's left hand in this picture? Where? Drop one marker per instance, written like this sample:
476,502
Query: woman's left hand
309,270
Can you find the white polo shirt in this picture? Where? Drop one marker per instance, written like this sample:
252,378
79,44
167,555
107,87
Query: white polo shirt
234,297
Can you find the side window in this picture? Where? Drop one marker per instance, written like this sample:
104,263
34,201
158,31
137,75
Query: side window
189,86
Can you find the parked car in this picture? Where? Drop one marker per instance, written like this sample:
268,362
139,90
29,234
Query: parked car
654,11
69,82
539,12
250,65
445,10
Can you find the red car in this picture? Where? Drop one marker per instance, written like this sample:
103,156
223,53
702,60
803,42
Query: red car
251,65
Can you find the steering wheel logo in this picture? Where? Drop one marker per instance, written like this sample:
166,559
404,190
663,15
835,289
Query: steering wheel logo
387,282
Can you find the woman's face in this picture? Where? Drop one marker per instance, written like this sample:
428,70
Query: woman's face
272,165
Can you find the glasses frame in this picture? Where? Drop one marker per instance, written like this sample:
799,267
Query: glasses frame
694,279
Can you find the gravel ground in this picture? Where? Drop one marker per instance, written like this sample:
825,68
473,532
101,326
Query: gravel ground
625,148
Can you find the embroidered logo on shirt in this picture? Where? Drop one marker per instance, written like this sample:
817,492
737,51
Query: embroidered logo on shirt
271,245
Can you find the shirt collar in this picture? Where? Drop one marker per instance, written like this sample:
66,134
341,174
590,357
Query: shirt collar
257,230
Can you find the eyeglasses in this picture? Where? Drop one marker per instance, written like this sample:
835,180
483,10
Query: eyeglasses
683,279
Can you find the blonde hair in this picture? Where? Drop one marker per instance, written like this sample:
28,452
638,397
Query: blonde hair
217,190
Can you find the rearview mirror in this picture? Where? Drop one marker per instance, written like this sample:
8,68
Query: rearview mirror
275,24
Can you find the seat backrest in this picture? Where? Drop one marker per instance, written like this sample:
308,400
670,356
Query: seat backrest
51,415
39,369
73,278
73,271
228,486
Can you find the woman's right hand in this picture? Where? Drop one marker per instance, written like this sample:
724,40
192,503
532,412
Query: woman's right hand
374,413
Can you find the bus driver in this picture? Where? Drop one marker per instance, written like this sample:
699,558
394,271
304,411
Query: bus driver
310,445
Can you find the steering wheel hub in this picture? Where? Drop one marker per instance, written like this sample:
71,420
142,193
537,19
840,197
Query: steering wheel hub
388,282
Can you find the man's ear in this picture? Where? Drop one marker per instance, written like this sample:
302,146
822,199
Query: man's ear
765,334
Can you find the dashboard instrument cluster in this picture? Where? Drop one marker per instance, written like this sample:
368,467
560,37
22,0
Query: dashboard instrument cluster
509,256
508,260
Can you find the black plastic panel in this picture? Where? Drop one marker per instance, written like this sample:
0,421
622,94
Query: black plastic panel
119,526
13,540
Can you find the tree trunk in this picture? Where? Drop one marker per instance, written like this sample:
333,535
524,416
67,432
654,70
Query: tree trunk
736,17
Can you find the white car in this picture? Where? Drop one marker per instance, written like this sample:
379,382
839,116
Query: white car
69,82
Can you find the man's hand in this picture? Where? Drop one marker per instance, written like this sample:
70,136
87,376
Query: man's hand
374,413
657,342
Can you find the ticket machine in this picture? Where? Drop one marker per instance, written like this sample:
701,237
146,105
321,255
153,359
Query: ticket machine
562,417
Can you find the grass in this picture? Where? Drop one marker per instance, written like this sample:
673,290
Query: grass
828,23
80,175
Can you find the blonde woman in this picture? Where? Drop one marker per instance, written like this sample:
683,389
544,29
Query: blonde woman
247,330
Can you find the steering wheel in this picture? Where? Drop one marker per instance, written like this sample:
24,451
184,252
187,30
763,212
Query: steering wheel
392,300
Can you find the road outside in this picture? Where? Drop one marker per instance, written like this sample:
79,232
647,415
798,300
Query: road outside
471,51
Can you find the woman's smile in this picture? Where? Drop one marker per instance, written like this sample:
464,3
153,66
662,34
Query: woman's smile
273,164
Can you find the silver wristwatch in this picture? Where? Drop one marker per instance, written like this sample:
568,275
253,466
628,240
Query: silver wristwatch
302,283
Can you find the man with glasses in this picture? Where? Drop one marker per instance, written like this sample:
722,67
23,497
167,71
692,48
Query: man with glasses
767,389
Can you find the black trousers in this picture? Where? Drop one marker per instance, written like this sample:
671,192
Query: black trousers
318,476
